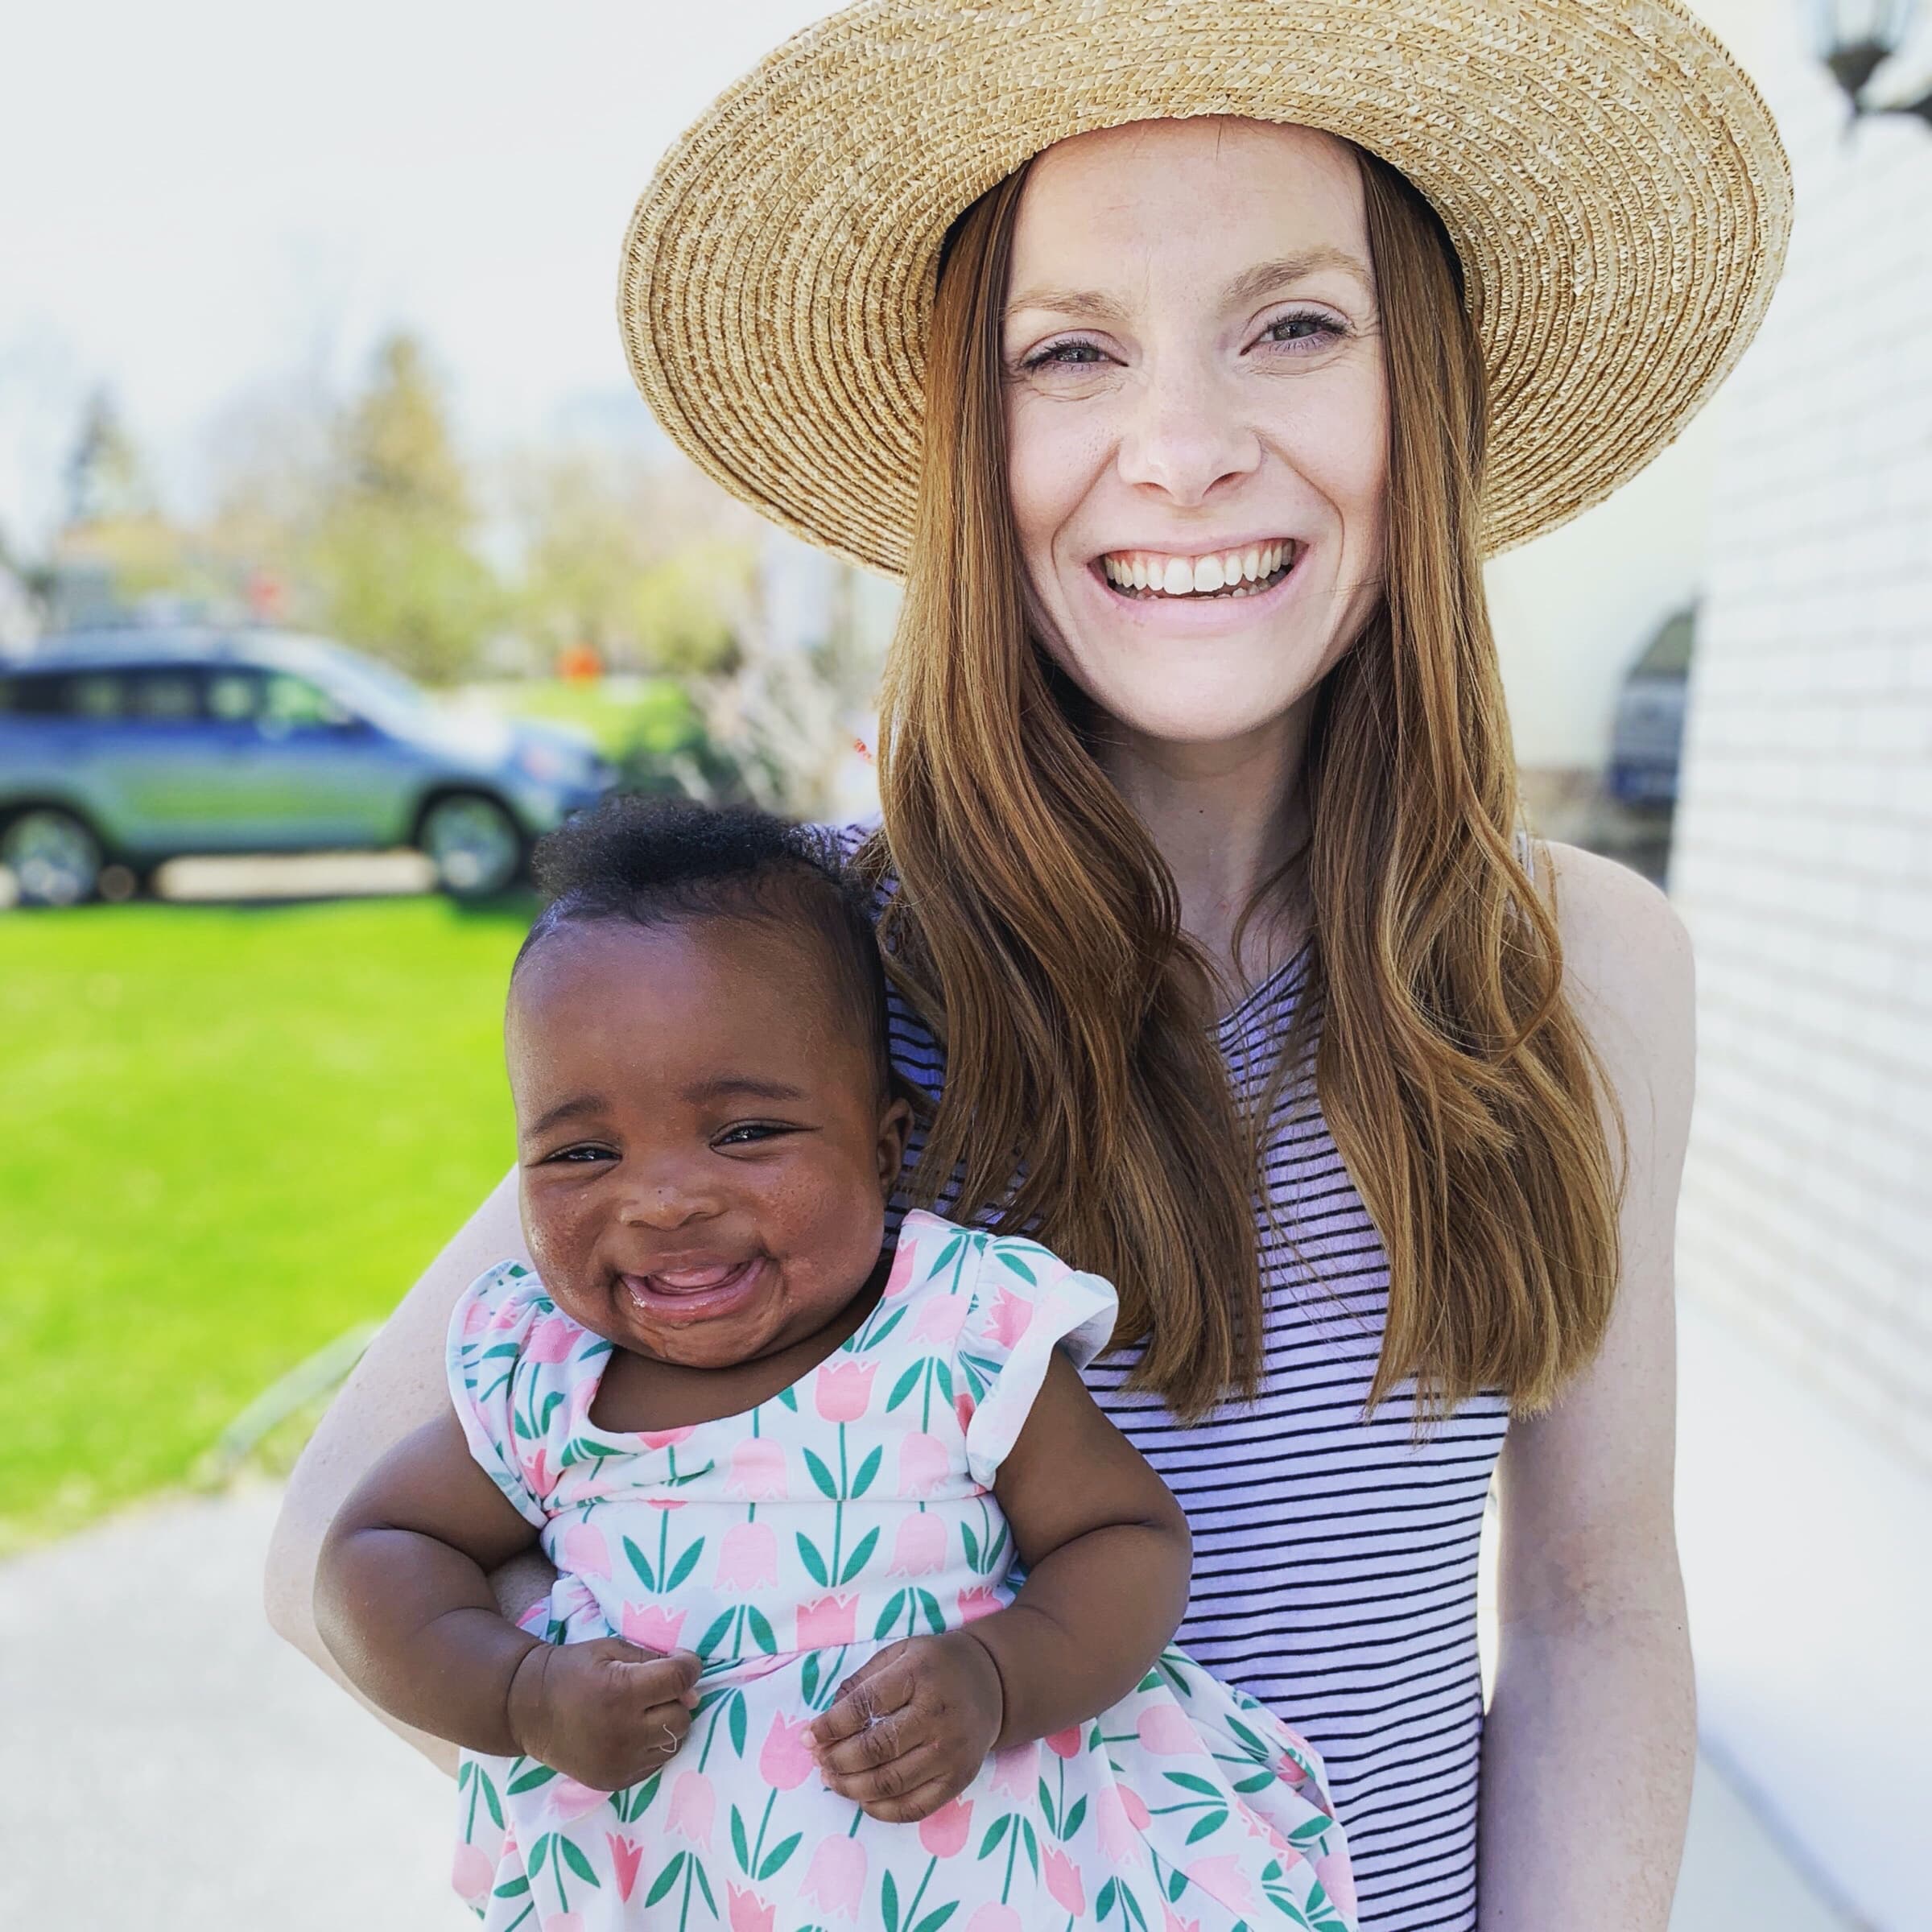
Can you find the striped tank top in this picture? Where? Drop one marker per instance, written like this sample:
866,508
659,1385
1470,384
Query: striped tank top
1334,1555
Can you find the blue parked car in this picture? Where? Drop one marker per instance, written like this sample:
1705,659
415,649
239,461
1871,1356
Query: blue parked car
125,748
1647,735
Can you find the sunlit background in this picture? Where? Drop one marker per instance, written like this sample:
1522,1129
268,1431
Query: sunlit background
337,552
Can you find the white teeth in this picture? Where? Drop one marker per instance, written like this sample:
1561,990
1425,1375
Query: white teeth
1232,572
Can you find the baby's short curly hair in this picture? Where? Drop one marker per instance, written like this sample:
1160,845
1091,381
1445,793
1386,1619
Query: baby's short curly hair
653,861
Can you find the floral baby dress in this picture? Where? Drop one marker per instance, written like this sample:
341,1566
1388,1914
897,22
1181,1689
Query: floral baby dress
786,1546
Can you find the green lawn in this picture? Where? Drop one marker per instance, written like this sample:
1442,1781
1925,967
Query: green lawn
226,1136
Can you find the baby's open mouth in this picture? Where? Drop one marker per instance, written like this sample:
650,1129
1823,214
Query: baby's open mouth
1148,574
694,1289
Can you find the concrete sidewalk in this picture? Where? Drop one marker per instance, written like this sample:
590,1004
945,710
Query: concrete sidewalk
169,1763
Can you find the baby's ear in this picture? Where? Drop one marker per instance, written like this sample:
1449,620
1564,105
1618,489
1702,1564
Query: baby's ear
895,1125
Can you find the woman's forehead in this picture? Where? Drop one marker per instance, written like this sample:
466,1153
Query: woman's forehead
1170,190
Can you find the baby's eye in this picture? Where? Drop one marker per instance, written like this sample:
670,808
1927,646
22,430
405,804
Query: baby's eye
582,1155
749,1133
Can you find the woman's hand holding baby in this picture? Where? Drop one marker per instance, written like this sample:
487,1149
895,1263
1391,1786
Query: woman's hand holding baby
605,1712
910,1728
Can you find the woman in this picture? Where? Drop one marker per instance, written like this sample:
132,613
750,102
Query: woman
1240,332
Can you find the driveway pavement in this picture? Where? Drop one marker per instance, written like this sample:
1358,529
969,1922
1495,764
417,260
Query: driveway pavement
169,1765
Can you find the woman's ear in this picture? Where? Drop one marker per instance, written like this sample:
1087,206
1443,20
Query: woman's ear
895,1125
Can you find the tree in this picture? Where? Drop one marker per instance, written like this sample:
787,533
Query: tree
391,555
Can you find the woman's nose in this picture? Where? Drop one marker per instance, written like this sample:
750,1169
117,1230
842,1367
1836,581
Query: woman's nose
1183,435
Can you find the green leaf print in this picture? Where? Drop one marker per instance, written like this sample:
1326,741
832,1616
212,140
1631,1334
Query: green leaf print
512,1888
972,1545
884,1327
1133,1906
905,1385
789,1398
1176,1884
1072,1823
1308,1832
715,1633
697,1865
1259,1781
1009,1259
888,1617
856,1562
530,1781
540,1851
1188,1781
946,1253
808,1677
573,1856
1046,1806
1255,1748
761,1630
666,1879
814,1564
930,1604
821,1474
684,1566
1033,1844
1103,1903
1206,1826
868,1470
775,1858
740,1843
990,1844
641,1564
489,1797
942,1370
889,1903
734,1722
933,1921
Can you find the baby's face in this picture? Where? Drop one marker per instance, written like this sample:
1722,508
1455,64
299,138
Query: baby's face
705,1158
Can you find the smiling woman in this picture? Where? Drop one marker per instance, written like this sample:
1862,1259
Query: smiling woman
1187,360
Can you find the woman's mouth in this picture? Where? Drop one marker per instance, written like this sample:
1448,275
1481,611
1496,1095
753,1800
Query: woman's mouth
698,1291
1222,575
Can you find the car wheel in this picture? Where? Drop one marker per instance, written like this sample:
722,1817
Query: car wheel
55,860
474,844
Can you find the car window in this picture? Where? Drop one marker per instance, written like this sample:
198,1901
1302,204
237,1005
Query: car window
97,693
163,697
292,703
32,696
234,697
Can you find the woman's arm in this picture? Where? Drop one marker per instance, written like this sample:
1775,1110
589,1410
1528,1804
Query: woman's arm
402,1600
1590,1738
398,1386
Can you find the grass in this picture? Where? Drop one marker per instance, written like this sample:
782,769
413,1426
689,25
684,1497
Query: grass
230,1135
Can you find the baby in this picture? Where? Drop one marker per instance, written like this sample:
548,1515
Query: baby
786,1465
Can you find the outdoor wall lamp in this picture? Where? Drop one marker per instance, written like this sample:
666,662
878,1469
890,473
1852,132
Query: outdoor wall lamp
1854,37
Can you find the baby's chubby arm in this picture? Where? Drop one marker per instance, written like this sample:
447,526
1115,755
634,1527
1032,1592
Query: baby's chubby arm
404,1604
1108,1559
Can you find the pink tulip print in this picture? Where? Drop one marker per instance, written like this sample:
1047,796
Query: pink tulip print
1165,1730
944,1832
664,1438
963,1408
1066,1744
1009,1317
585,1551
565,1801
551,1339
977,1602
1338,1879
650,1626
994,1917
785,1761
1016,1772
473,1873
747,1912
842,1389
757,1469
693,1808
920,1547
905,1261
1062,1877
1224,1878
924,1463
940,1319
830,1621
626,1854
834,1881
748,1558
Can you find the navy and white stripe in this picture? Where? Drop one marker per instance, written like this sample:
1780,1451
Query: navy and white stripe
1335,1554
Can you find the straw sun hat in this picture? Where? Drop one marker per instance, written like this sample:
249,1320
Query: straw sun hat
1612,181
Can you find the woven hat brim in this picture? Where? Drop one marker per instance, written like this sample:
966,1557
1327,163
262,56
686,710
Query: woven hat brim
1612,180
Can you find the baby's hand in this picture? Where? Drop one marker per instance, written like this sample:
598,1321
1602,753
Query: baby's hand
911,1727
605,1712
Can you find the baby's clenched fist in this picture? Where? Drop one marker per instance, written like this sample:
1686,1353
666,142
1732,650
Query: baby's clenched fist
605,1713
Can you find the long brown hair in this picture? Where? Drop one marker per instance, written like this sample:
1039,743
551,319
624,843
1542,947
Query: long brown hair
1036,928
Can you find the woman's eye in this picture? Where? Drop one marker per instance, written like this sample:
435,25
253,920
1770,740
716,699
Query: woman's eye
1303,331
1064,355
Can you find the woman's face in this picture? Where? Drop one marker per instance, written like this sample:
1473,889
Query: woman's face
1196,418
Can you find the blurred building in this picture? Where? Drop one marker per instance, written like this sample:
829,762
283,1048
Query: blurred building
1803,864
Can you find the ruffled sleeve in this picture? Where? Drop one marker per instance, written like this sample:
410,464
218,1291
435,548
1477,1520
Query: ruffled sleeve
499,1346
1026,1302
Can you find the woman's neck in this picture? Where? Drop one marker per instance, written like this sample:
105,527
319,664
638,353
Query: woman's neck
1226,817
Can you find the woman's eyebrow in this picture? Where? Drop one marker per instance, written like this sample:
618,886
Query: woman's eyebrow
1248,287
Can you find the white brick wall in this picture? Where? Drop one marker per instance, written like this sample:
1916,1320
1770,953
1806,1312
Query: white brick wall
1803,858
